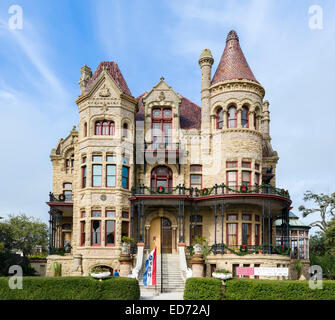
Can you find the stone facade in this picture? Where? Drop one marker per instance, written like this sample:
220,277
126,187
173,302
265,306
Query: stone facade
215,137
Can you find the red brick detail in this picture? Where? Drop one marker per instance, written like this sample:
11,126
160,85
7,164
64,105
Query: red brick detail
233,64
114,71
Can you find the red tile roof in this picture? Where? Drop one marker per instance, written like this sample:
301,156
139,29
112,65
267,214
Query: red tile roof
190,113
233,64
114,71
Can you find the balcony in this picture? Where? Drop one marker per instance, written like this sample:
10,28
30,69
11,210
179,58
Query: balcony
60,199
216,190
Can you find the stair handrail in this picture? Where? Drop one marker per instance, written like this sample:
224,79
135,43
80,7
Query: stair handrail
139,263
184,270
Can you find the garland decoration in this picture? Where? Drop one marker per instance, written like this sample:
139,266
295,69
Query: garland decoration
244,188
204,192
61,197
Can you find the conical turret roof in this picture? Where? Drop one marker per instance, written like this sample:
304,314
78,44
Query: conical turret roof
233,64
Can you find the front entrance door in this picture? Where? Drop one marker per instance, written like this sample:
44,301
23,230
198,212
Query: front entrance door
166,236
161,235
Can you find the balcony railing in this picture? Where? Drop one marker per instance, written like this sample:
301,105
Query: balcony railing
222,189
60,198
221,248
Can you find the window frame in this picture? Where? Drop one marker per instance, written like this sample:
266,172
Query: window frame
168,177
103,126
94,175
107,175
245,120
96,244
82,233
231,119
161,121
128,173
106,243
218,121
192,185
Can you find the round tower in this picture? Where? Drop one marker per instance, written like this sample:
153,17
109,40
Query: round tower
236,101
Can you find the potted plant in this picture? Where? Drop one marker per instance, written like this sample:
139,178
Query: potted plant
100,273
198,244
222,274
126,241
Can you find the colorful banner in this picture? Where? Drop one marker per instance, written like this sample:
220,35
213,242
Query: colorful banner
149,276
274,272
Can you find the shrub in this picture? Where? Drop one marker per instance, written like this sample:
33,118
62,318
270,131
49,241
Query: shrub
72,288
250,289
203,289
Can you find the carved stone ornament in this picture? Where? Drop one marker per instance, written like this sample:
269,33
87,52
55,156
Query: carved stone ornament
103,197
104,92
161,96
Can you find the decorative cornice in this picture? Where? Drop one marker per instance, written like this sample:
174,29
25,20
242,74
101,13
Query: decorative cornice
237,85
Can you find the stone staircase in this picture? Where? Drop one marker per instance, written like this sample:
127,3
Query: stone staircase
168,278
171,278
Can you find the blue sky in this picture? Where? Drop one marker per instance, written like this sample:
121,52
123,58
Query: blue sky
40,69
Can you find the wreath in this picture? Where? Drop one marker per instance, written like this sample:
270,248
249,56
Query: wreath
61,197
204,192
244,188
160,189
243,248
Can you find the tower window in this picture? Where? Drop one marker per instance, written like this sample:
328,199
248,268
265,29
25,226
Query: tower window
245,117
125,130
85,129
232,117
219,119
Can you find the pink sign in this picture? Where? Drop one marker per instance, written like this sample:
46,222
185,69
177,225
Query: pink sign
244,271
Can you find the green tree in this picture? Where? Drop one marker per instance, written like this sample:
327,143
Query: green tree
325,206
25,233
317,244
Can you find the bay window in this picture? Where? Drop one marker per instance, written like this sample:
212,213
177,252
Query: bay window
96,175
232,234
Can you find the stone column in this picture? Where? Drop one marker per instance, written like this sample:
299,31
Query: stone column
197,262
77,267
125,265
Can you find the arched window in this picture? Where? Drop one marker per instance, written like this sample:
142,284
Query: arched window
255,120
125,130
161,126
161,176
219,119
85,129
232,117
245,117
104,128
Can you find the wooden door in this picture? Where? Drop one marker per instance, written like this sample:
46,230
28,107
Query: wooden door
166,236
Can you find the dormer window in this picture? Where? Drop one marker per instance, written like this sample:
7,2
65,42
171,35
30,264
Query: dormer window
105,128
161,126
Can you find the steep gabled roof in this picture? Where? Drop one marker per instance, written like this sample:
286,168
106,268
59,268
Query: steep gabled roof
233,64
190,113
113,70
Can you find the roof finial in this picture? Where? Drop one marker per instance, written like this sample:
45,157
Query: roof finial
232,35
162,78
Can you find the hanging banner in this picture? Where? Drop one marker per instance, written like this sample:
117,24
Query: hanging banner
274,272
149,276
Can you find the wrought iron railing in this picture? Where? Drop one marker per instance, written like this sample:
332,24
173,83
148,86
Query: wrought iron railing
215,190
221,248
60,197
